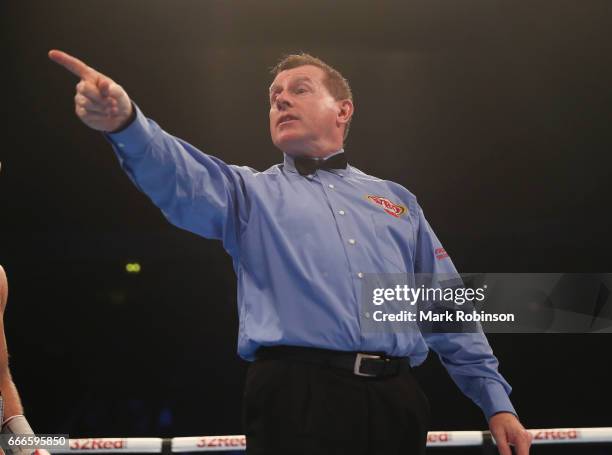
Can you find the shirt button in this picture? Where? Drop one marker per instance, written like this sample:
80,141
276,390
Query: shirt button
341,212
331,186
121,145
360,274
352,241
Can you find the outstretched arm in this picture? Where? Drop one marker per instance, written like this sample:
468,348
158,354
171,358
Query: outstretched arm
195,191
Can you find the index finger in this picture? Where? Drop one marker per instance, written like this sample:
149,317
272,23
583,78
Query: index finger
72,64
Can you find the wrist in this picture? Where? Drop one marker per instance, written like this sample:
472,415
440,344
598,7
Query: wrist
16,424
130,119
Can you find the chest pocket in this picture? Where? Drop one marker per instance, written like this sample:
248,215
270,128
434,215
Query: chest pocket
395,242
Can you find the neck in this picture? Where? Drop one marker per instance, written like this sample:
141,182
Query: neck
314,150
314,156
315,153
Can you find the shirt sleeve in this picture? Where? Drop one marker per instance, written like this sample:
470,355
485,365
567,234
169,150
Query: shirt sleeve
468,357
194,191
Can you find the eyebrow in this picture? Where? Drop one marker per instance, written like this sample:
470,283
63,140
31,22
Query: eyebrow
274,87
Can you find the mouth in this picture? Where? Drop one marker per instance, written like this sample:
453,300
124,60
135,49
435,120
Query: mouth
286,118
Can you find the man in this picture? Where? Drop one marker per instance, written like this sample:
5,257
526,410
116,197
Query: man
302,236
13,421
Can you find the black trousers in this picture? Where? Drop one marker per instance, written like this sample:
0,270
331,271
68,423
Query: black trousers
292,408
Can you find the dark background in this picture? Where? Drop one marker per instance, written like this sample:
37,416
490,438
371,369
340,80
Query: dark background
495,114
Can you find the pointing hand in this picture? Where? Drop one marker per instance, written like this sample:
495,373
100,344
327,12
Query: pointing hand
100,102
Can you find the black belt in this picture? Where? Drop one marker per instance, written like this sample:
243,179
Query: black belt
371,365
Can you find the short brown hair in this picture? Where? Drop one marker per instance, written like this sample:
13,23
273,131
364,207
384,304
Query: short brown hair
334,82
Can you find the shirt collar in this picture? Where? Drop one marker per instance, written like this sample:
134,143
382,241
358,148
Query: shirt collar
289,163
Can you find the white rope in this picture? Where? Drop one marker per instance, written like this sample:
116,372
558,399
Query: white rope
113,445
238,442
209,443
571,435
454,438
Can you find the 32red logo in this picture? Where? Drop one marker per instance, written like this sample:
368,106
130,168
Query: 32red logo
391,208
440,253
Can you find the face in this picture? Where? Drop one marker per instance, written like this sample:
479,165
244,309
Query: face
304,118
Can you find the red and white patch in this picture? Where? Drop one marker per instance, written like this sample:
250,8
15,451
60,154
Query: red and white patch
391,208
440,253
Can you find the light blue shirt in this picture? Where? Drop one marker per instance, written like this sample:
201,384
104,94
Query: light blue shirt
301,246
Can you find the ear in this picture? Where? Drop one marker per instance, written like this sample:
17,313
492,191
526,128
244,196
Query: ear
345,111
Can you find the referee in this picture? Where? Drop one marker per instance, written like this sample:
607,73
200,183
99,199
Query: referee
303,235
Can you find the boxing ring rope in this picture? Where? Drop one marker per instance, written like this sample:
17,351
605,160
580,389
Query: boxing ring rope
238,442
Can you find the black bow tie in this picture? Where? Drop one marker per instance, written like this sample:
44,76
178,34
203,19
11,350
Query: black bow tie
307,166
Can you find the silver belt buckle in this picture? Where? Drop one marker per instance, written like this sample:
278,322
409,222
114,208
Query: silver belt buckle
358,360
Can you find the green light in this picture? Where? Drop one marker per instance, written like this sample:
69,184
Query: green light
132,267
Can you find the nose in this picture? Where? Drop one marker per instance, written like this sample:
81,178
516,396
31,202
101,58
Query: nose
282,101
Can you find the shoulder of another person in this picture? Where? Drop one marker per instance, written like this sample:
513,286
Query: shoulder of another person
3,289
